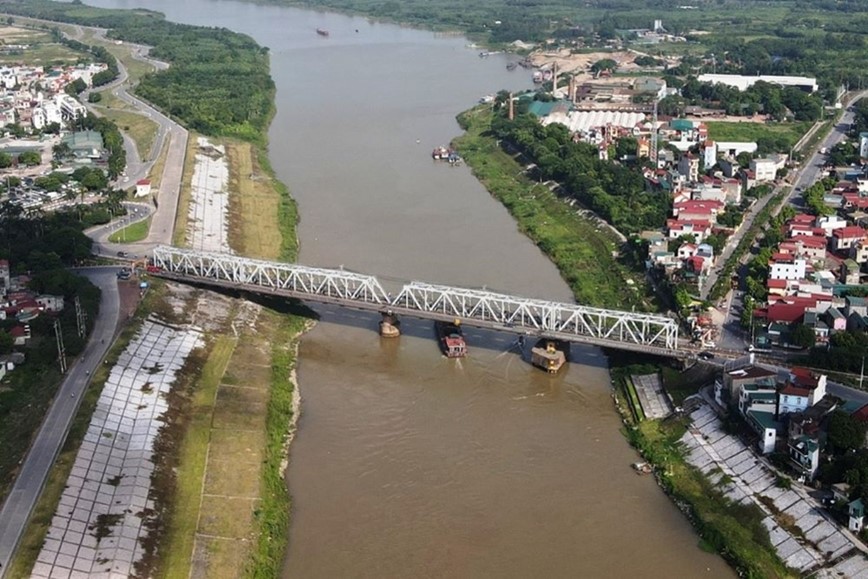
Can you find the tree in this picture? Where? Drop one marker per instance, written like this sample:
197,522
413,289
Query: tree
845,432
30,158
94,97
6,343
5,160
803,336
604,64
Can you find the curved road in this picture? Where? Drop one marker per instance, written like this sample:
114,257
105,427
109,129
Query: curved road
42,454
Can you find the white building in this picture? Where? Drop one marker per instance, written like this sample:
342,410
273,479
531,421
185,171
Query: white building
788,267
70,109
742,82
764,169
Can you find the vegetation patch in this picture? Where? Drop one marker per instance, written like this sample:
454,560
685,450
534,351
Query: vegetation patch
734,530
769,137
582,250
132,233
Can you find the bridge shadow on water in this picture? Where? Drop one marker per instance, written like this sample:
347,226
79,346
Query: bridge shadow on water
476,338
497,341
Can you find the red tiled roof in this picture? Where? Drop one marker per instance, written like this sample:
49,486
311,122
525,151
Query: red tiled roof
777,284
804,378
143,182
787,313
811,241
791,390
802,218
862,414
852,232
18,332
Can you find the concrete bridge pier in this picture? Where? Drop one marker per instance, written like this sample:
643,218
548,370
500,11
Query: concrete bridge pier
390,325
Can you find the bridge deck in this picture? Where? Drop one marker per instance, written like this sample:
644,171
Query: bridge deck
639,332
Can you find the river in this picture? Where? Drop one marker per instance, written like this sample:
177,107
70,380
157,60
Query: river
407,464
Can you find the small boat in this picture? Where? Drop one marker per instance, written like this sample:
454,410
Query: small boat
451,339
511,66
322,31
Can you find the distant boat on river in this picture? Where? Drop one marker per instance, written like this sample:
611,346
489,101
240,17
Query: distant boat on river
322,31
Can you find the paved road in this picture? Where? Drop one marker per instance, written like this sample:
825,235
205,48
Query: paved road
52,434
732,336
163,221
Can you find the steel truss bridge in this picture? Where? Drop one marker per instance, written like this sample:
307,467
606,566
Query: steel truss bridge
647,333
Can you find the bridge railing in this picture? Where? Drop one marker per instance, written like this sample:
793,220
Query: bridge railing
540,315
271,275
537,316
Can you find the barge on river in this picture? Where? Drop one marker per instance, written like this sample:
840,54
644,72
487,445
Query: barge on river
451,339
549,355
322,31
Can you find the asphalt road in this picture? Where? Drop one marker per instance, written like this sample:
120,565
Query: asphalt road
51,436
732,336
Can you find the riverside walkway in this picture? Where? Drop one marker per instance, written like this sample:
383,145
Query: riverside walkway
639,332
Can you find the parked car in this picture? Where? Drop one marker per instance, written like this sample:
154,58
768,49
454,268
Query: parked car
122,254
706,356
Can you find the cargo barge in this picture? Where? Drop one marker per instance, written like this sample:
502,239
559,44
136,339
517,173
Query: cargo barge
549,355
322,31
451,339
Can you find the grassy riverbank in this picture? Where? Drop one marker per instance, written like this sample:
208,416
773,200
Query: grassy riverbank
734,530
582,250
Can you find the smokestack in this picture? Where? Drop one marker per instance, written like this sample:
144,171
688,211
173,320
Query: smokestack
571,90
554,78
511,108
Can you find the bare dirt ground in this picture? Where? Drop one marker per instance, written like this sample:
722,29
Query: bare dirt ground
581,63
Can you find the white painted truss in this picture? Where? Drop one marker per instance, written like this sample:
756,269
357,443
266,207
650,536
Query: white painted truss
244,271
539,317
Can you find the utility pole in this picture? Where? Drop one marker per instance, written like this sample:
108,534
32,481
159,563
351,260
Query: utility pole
80,317
862,372
61,352
653,150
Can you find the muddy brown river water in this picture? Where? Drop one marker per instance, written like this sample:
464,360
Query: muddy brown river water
407,464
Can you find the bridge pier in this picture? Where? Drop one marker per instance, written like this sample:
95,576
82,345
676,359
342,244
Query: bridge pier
390,325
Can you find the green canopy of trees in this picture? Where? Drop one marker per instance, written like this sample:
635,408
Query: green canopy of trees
614,191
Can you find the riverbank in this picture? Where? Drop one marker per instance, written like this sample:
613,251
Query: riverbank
582,250
199,460
734,530
583,255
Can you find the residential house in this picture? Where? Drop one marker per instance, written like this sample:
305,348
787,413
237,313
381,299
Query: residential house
784,266
829,223
813,320
765,169
50,303
835,320
734,380
686,251
20,335
854,305
757,404
805,456
846,237
849,272
859,251
697,210
709,154
856,515
803,388
688,166
700,229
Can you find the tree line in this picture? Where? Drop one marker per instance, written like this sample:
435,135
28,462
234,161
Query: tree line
218,82
614,191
